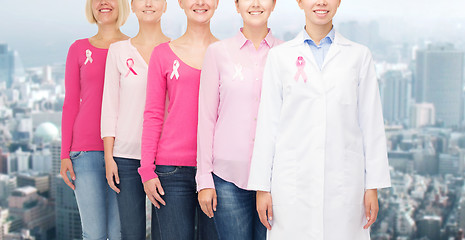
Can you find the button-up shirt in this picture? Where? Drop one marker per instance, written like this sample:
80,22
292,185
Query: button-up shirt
230,88
320,51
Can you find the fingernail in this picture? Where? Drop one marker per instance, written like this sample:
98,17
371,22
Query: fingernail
117,182
271,218
74,178
162,193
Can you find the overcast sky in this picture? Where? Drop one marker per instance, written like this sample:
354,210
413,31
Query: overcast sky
41,31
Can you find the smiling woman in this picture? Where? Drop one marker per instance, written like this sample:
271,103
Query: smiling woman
169,142
228,105
97,13
81,147
122,115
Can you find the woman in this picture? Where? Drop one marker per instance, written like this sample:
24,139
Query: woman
169,143
122,114
230,87
82,148
320,150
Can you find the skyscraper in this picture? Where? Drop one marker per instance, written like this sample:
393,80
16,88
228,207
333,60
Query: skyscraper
55,149
439,80
68,221
6,66
395,95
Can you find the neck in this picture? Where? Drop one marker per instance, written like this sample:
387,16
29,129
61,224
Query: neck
198,33
318,32
108,32
255,34
149,32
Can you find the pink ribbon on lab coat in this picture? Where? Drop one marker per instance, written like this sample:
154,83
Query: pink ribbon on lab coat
130,64
300,63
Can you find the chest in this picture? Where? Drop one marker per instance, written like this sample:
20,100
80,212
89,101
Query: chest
192,57
337,80
92,68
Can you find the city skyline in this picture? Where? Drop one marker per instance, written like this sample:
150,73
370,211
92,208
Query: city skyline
419,56
43,36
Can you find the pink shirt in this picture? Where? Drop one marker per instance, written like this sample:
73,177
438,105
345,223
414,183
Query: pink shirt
84,76
171,141
124,99
230,89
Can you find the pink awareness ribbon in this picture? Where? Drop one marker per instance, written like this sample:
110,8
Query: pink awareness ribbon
130,64
300,63
88,57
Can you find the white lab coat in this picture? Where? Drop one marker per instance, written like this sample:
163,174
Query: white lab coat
319,144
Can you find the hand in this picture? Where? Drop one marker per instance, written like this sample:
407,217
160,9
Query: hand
265,208
153,190
67,165
111,170
207,201
371,206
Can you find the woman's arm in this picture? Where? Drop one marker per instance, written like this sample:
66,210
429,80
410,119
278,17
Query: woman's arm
110,111
208,115
265,138
70,111
72,99
374,139
154,114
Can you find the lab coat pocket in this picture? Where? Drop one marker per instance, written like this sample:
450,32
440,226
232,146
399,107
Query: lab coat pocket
354,177
284,178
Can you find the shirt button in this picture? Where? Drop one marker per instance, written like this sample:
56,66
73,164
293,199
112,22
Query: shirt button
255,119
256,79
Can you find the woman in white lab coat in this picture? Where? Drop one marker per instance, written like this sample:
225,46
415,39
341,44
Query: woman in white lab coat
320,148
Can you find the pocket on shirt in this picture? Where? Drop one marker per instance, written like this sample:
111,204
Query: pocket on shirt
284,178
354,177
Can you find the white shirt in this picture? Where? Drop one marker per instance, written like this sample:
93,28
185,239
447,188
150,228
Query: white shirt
124,99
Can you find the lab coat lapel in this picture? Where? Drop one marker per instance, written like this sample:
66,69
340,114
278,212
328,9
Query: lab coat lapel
303,49
334,50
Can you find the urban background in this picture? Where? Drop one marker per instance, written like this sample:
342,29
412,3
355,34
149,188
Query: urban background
418,47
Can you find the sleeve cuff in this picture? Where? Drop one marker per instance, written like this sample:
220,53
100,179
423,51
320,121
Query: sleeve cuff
147,173
205,181
259,187
64,155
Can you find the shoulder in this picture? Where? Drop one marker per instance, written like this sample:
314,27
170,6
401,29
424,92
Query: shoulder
219,47
79,44
282,49
162,51
118,46
161,55
162,48
356,48
118,49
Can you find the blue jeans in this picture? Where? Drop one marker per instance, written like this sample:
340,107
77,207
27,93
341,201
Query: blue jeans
181,218
95,199
131,199
236,216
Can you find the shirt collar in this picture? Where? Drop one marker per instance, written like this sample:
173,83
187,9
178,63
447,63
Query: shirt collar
328,39
241,40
